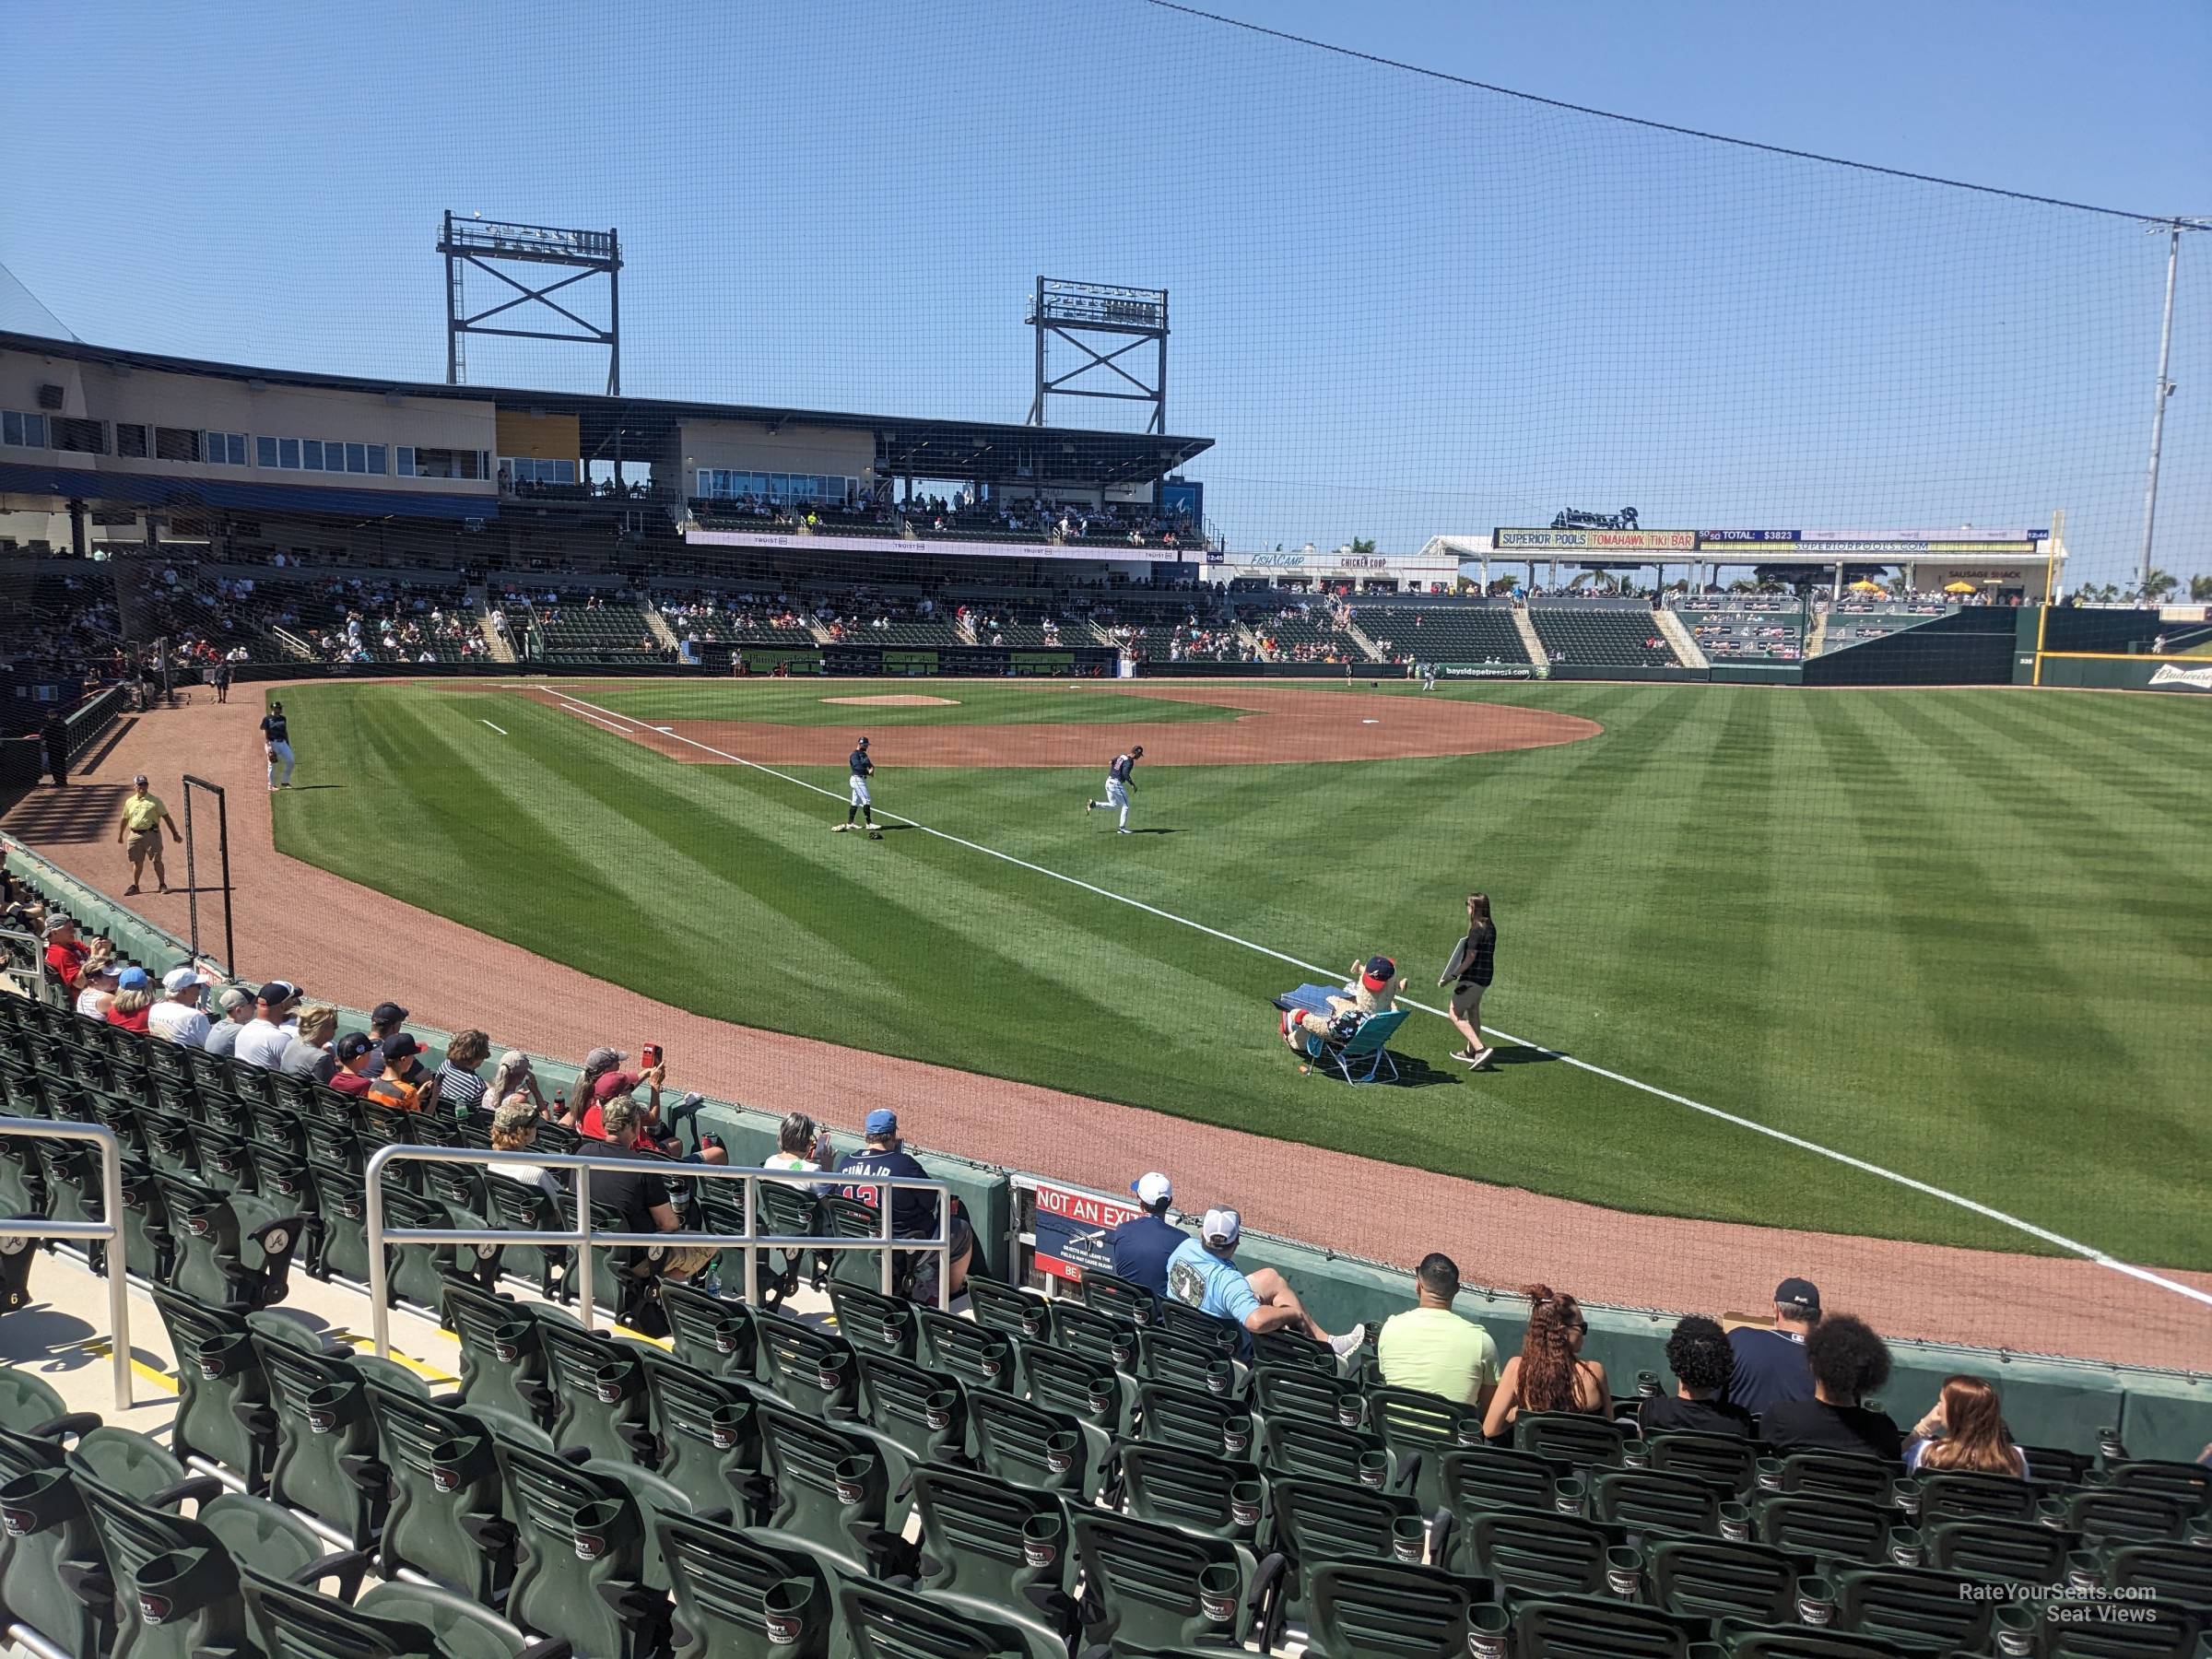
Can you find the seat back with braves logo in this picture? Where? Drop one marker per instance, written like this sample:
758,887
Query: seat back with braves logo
1019,1313
218,1260
873,1322
504,1370
444,1521
600,1405
580,1557
980,1357
326,1451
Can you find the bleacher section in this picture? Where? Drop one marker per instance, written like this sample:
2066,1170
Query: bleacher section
1737,628
1600,638
1442,633
1848,624
592,628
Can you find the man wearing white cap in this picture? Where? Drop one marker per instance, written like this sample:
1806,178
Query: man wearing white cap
1202,1273
177,1016
1142,1244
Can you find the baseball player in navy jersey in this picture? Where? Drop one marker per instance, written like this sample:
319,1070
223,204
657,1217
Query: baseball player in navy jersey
1118,773
861,768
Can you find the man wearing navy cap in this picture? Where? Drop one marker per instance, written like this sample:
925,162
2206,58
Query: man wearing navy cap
1142,1244
1769,1364
914,1211
859,800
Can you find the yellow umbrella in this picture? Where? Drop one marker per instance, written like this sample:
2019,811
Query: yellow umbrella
1863,587
1960,587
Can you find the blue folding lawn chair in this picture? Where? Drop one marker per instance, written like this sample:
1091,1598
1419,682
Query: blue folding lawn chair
1364,1056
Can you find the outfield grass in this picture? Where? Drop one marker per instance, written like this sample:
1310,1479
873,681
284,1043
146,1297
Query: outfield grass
1956,934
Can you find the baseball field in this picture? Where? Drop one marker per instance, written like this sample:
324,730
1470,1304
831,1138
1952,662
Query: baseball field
1956,936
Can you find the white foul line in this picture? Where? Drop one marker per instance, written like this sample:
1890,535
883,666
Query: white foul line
500,730
2057,1240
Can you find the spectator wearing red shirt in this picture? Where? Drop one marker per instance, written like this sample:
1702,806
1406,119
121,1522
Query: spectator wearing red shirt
133,1001
351,1078
603,1079
66,953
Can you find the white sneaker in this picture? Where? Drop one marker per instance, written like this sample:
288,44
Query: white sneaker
1480,1058
1090,806
1347,1342
1123,831
839,829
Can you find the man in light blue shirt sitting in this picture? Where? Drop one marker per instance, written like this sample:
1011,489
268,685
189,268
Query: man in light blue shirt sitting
1202,1273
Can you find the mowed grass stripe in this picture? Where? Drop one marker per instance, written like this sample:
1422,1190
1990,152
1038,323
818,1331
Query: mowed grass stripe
1695,899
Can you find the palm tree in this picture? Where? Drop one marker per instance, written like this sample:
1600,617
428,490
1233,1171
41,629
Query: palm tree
1363,545
2200,589
2159,583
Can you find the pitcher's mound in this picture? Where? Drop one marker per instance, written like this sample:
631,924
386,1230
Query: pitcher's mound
898,699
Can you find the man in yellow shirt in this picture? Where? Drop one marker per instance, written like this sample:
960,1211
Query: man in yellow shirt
144,819
1430,1347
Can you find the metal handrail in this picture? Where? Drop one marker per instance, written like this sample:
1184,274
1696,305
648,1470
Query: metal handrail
584,1238
109,1232
34,961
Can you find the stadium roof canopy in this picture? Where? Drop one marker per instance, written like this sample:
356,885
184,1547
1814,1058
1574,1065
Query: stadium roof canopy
635,427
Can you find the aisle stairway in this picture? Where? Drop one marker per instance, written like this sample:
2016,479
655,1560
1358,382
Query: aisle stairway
1678,636
1529,642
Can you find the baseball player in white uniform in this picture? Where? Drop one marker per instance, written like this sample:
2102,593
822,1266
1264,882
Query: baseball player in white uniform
276,738
858,798
1118,784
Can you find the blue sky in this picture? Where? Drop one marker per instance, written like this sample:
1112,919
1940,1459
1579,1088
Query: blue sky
1402,306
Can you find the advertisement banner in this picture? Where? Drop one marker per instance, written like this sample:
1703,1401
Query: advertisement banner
1505,670
1595,541
1071,1227
1807,545
892,546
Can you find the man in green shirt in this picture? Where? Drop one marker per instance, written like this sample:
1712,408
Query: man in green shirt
144,819
1430,1347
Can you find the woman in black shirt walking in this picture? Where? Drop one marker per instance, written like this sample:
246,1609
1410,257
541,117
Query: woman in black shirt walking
1469,973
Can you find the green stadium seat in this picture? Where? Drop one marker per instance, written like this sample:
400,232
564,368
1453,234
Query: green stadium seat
1530,1554
326,1439
1119,1297
1497,1478
402,1619
832,1493
884,1623
1592,1626
27,1404
580,1554
1644,1500
872,1322
729,1582
2125,1514
528,1208
1313,1450
1947,1495
921,1413
1045,1451
810,1368
224,1411
1709,1578
2085,1627
1195,1492
1299,1392
1181,1363
600,1404
1319,1520
1915,1606
1835,1475
1369,1610
1419,1428
1834,1529
127,1462
2190,1483
1219,1336
1155,1586
714,1332
1200,1422
1737,1641
1020,1313
49,1544
444,1519
218,1260
993,1548
1572,1437
2175,1572
706,1432
980,1358
505,1371
1293,1350
1986,1547
1089,1389
787,1211
1107,1337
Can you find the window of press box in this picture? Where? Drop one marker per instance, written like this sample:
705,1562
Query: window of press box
176,443
130,440
416,463
77,435
526,469
318,455
23,429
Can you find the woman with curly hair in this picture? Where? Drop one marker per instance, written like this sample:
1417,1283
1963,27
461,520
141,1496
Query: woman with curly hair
1965,1431
1548,1373
1848,1362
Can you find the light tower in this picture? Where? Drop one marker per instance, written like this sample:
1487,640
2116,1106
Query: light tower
489,245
